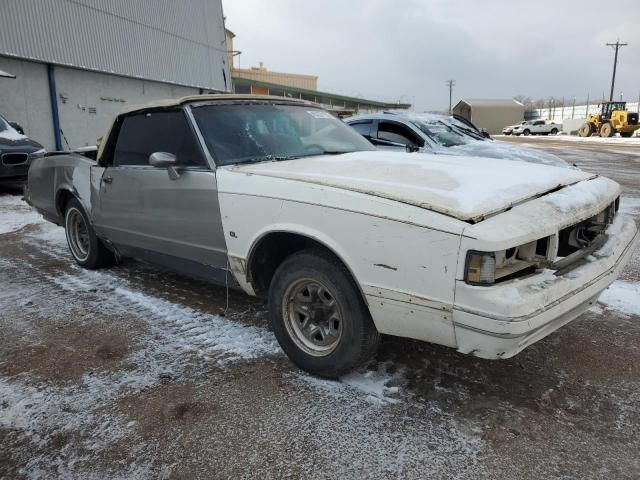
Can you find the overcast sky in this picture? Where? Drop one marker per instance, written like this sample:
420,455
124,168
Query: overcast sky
406,49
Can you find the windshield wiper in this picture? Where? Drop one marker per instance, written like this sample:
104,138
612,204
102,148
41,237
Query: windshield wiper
327,152
469,131
271,158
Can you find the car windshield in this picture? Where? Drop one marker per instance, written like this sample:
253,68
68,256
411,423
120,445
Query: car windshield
254,132
447,132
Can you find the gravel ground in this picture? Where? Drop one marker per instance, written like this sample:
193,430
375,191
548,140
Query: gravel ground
134,372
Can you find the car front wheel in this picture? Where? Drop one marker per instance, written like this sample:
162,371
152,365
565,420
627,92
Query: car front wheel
318,315
86,248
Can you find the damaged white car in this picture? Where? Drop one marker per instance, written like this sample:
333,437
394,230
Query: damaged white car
280,199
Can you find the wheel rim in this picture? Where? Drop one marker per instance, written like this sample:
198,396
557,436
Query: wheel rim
77,234
313,317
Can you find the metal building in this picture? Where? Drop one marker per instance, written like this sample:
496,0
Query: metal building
77,63
491,114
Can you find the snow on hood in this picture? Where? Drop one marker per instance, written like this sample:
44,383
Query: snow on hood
497,149
7,132
468,188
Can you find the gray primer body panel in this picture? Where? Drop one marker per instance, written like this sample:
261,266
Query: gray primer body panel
139,210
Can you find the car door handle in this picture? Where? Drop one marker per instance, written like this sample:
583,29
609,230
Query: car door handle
107,179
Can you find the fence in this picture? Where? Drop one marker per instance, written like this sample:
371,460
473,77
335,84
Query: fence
559,113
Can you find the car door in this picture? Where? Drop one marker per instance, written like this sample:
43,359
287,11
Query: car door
538,126
142,210
396,136
363,127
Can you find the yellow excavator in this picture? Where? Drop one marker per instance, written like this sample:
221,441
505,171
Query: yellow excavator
613,118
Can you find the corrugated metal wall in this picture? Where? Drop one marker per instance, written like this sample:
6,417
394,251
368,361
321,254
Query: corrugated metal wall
173,41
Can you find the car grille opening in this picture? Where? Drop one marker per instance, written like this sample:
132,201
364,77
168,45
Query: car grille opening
578,236
14,158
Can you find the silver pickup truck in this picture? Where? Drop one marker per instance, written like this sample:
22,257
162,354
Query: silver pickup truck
281,199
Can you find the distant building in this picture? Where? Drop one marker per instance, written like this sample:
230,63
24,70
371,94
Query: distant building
491,114
77,63
260,81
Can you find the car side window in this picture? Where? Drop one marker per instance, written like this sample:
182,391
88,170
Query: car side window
539,122
396,133
142,134
363,128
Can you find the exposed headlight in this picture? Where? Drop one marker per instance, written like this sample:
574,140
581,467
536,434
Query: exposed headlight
487,268
481,268
38,154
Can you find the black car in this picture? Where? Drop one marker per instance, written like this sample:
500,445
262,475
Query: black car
16,153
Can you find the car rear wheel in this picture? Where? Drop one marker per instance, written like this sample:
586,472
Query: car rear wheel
554,131
87,249
318,315
526,132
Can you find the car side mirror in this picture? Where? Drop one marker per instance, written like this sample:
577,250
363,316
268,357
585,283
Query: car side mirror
17,127
165,160
412,148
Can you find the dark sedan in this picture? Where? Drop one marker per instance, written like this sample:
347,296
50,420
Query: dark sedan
16,153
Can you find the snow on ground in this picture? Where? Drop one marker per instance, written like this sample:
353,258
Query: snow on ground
630,205
618,141
16,214
377,386
622,296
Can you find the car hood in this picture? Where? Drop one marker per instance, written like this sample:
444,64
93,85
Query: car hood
467,188
12,141
497,149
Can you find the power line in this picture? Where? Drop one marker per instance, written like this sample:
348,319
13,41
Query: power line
617,46
450,84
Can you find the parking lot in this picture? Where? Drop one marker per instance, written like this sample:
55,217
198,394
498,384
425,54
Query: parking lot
134,372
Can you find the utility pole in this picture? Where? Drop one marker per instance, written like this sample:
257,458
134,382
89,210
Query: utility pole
587,112
450,84
617,46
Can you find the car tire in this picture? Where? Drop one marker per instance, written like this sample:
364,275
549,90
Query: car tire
319,316
554,131
86,248
526,132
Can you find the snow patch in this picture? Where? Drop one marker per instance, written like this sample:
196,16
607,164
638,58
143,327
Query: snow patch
16,214
622,296
630,205
375,386
10,133
575,197
180,329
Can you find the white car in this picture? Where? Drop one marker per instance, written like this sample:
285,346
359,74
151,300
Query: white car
537,127
508,130
280,199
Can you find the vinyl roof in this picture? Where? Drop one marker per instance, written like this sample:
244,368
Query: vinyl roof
174,102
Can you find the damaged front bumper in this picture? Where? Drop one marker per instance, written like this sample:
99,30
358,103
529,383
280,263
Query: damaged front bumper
501,320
